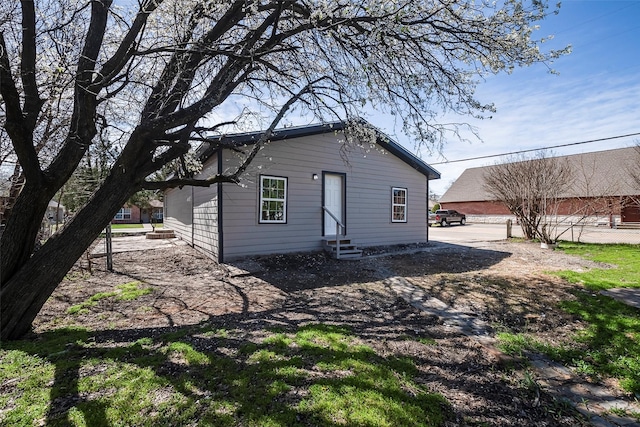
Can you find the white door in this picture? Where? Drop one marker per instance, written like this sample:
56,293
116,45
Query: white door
333,200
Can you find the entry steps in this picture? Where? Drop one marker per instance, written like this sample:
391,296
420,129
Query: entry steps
348,250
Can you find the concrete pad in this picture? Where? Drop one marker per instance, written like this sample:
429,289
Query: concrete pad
630,296
133,243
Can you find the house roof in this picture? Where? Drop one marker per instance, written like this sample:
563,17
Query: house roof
56,205
239,139
596,174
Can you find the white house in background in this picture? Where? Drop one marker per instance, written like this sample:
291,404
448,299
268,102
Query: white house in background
296,188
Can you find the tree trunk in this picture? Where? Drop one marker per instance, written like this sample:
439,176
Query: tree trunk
16,182
22,228
528,229
32,283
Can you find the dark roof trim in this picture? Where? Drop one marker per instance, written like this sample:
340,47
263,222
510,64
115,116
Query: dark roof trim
239,139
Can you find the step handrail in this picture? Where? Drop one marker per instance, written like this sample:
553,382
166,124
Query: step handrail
339,225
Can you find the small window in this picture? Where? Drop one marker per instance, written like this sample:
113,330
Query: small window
273,199
123,213
399,205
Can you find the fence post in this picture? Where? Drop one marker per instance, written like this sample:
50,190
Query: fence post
107,242
509,225
571,224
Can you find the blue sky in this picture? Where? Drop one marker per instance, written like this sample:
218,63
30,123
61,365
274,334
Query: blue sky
596,95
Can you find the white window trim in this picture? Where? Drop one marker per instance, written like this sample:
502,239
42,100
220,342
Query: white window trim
267,199
123,213
394,204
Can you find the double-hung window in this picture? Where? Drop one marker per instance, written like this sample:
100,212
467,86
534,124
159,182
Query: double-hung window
398,204
273,199
123,213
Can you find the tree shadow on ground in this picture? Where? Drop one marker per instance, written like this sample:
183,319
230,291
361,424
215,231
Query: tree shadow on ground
294,272
612,338
214,375
242,368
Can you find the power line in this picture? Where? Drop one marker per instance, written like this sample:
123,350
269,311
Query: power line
535,149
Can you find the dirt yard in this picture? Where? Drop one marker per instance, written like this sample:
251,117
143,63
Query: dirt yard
501,283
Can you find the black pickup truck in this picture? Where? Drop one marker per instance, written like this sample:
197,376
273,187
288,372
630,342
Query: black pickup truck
445,217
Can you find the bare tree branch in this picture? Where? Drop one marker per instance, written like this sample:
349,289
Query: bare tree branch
128,87
32,101
15,123
532,190
126,50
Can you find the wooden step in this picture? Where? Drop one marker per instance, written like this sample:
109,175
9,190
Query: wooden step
332,242
353,254
348,250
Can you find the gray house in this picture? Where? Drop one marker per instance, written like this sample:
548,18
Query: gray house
305,190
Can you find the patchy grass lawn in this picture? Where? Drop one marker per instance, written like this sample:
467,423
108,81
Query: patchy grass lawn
125,292
202,347
316,375
123,226
625,258
610,345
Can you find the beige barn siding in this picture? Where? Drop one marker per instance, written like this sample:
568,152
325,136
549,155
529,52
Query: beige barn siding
178,212
369,177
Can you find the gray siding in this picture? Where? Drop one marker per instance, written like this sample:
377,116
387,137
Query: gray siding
178,214
205,219
370,177
369,189
192,212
